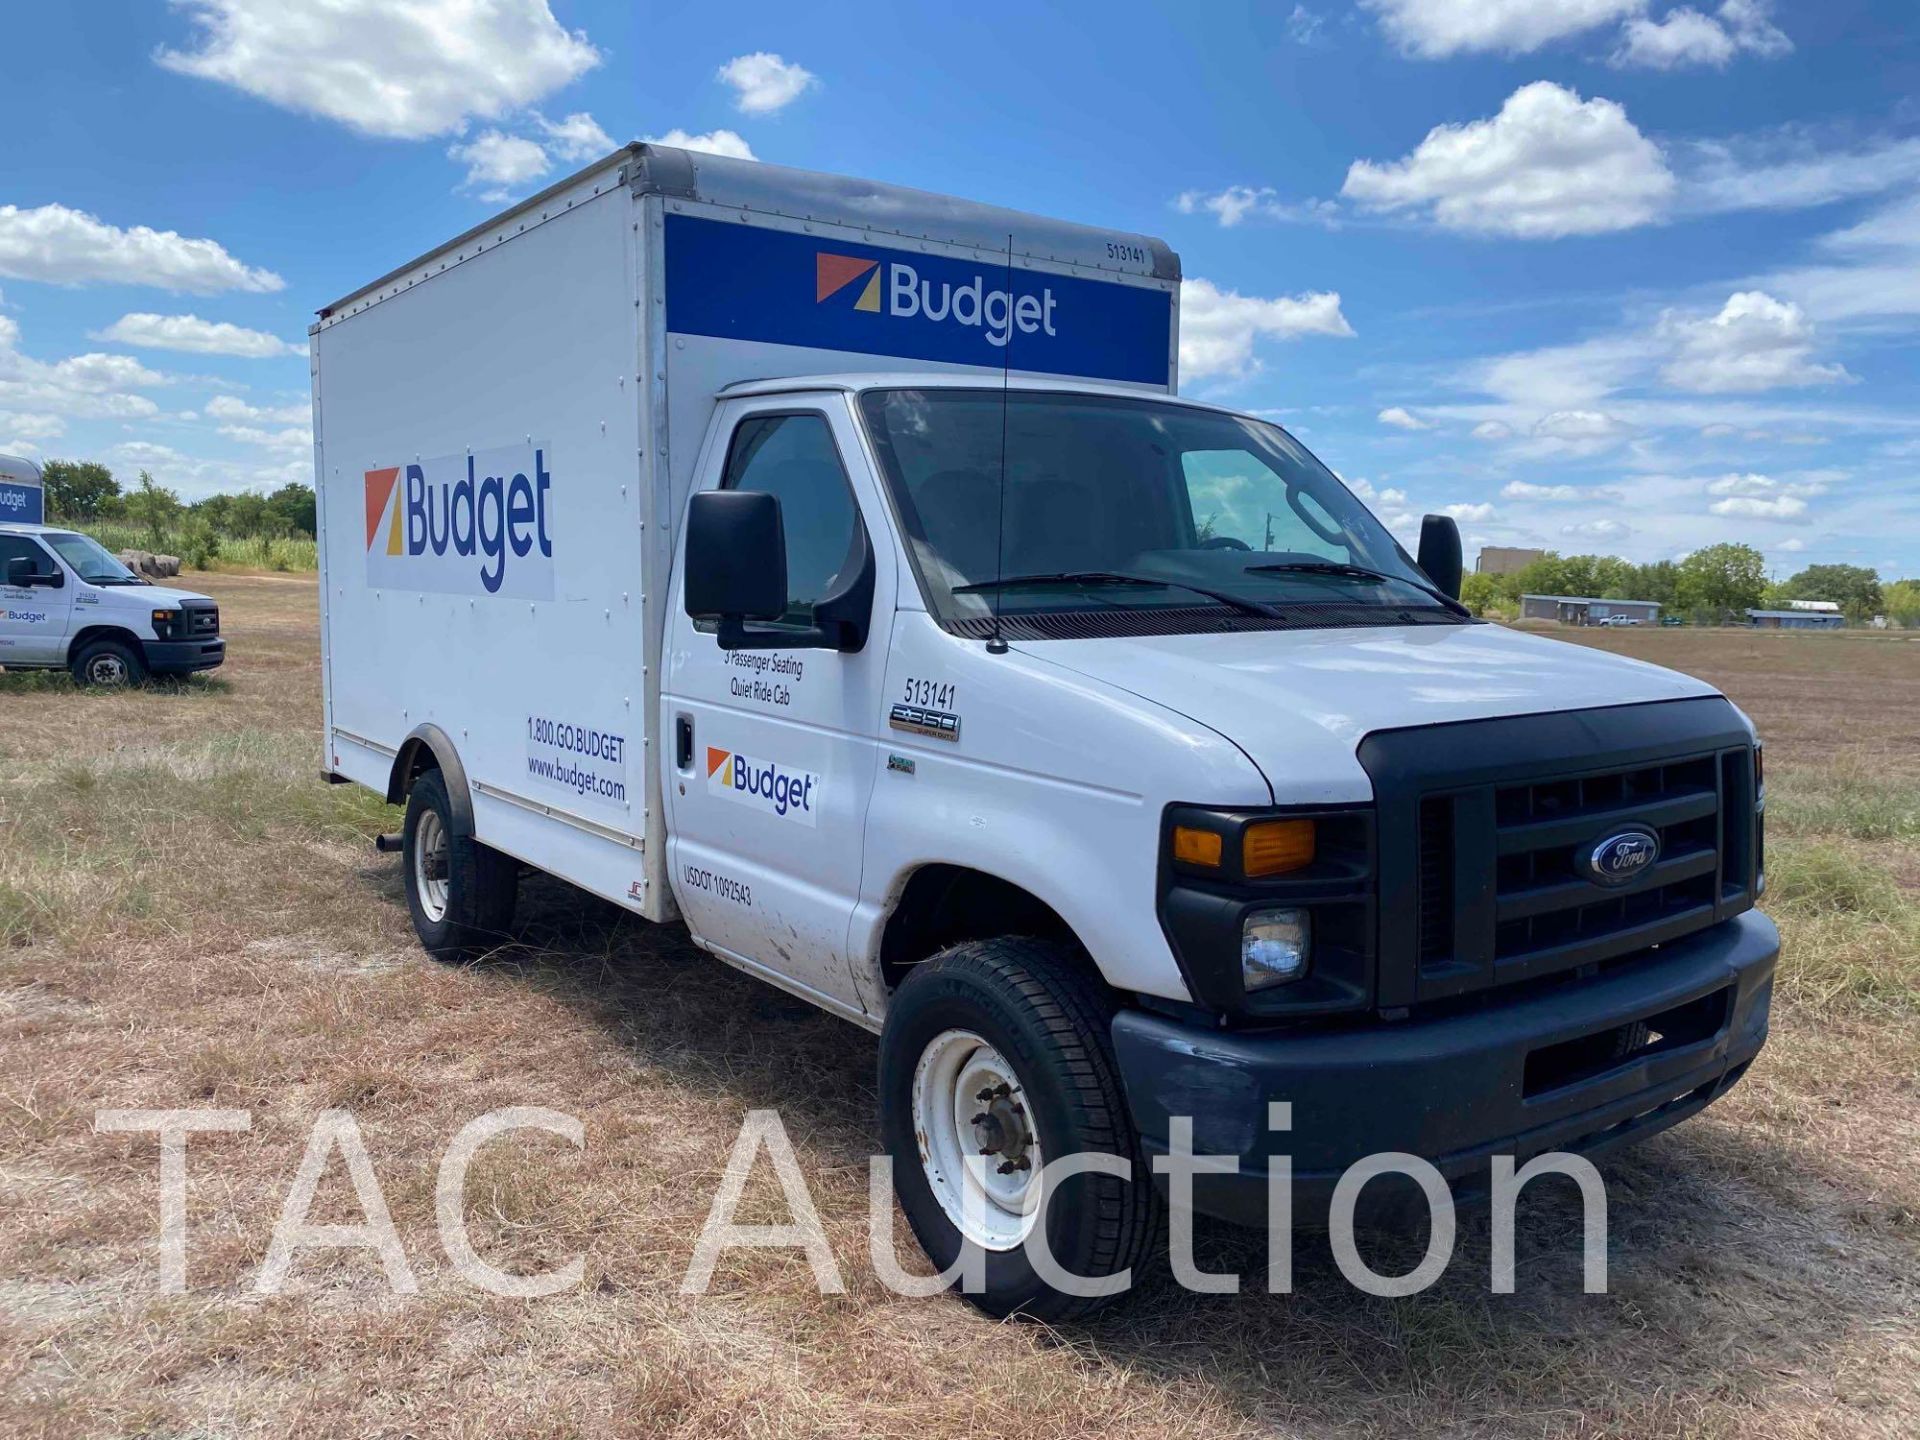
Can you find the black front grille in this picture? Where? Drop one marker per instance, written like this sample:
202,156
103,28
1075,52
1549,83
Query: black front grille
1545,908
202,623
1491,884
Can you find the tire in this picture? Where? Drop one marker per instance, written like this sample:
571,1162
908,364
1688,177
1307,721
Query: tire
462,903
108,664
1030,1004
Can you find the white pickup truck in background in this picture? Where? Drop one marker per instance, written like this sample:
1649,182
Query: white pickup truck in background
833,567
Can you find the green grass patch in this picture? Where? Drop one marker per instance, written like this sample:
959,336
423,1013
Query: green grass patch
1851,797
1850,932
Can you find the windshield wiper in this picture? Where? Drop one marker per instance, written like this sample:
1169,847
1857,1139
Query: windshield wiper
1116,577
113,580
1350,571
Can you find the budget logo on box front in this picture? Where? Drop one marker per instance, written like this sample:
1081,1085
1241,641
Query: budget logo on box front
463,524
764,784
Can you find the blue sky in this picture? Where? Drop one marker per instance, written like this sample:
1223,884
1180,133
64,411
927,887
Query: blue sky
1616,275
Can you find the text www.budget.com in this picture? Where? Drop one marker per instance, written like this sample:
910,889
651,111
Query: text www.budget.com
581,782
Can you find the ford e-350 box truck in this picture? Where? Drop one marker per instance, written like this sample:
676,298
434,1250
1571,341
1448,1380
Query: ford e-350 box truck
831,567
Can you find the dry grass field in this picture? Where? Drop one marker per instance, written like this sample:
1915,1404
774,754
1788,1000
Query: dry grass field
189,918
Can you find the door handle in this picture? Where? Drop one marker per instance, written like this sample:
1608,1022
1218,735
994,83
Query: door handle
683,742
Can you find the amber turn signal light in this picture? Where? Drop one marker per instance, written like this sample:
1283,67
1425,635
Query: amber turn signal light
1196,847
1273,847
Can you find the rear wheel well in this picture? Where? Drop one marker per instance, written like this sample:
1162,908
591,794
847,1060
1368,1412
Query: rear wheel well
943,905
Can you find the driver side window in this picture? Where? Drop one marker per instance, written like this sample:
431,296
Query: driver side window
19,547
794,459
1239,502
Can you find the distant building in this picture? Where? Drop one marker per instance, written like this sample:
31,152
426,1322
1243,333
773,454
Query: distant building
1585,610
1505,560
1796,619
1818,607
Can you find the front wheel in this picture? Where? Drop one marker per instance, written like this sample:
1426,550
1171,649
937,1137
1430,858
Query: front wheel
460,894
108,665
996,1052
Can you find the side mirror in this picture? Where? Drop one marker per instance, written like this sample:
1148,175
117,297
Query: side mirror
20,571
1440,553
736,556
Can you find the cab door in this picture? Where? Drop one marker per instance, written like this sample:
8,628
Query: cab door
34,619
774,751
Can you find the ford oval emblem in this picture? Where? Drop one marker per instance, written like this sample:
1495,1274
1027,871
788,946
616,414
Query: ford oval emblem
1622,857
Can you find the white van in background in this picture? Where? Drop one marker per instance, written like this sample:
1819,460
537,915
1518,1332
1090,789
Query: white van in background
67,603
832,567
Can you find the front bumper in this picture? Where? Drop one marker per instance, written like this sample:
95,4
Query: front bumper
177,657
1517,1077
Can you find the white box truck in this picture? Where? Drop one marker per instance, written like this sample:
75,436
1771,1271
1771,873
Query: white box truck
831,567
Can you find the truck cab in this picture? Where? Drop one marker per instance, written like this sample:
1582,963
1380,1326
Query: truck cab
68,603
1096,749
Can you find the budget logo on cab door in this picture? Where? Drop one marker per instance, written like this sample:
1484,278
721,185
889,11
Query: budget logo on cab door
766,785
472,524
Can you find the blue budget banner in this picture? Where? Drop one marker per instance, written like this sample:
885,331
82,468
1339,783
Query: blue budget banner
746,282
21,503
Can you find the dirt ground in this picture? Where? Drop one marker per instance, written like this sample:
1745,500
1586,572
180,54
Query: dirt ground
190,918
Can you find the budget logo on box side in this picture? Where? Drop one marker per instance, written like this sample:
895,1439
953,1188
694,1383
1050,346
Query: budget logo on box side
473,524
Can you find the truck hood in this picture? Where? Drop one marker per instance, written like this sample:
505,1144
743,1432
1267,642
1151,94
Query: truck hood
1299,702
153,597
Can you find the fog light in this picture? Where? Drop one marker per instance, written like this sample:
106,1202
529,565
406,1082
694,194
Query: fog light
1274,947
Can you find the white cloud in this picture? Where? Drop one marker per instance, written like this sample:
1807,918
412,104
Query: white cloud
80,387
1781,507
1218,327
1755,343
1765,486
1469,513
1687,37
1795,545
1606,530
1402,419
408,71
70,247
714,142
1577,425
1304,26
764,83
499,165
1525,490
293,438
1492,430
1239,202
578,138
235,410
1549,164
196,336
1434,29
1787,169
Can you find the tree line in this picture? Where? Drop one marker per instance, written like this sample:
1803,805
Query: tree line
85,493
1715,583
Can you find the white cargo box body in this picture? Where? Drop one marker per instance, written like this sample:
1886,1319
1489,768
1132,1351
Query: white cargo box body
505,432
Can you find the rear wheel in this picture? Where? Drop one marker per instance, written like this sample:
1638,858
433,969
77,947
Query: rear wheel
108,664
460,894
996,1051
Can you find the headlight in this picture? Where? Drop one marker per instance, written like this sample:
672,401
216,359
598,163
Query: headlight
1275,947
164,622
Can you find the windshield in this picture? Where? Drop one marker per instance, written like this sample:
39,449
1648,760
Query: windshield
90,560
1104,492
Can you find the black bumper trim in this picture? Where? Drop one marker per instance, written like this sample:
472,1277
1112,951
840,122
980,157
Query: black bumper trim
1450,1089
177,657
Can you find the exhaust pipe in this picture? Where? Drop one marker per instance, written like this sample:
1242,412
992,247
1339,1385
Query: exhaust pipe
388,844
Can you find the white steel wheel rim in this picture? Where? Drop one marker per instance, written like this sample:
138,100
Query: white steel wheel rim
430,865
968,1103
107,670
